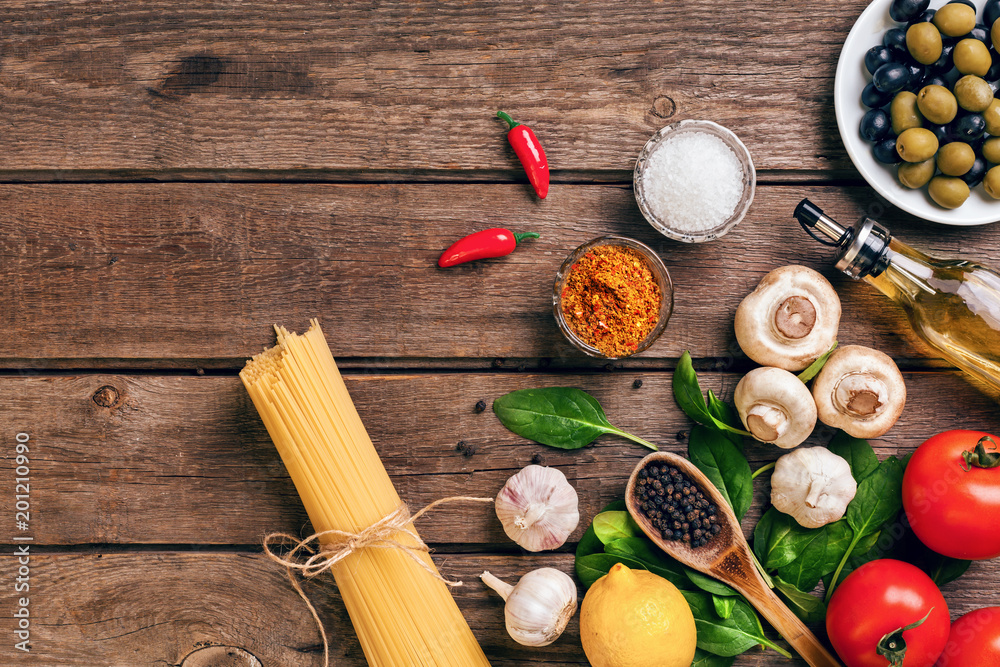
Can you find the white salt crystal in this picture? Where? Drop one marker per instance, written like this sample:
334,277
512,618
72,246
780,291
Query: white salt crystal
693,182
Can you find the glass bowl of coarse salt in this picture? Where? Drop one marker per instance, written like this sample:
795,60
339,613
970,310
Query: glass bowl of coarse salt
694,180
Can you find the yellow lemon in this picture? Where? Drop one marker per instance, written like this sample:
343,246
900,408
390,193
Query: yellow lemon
633,618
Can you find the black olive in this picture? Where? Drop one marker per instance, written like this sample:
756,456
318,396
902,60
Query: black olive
874,98
974,176
915,78
943,133
878,56
896,38
905,10
885,151
994,72
938,80
943,65
982,33
925,17
963,2
875,125
968,127
991,12
891,78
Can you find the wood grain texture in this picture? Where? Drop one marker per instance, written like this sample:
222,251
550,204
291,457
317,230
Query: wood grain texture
185,460
161,85
187,275
123,610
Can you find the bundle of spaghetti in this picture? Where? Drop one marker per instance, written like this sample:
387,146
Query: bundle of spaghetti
402,613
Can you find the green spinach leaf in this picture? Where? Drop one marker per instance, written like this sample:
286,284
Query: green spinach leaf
591,568
641,550
724,464
724,606
563,417
879,498
706,659
819,556
724,413
727,636
708,584
816,366
807,607
778,539
858,453
610,526
687,393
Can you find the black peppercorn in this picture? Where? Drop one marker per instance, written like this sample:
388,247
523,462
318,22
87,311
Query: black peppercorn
480,406
675,506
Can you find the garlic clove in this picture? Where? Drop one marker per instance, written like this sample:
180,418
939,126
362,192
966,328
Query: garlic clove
538,508
812,485
539,607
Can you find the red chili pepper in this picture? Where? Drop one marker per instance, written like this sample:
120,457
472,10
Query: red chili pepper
495,242
530,153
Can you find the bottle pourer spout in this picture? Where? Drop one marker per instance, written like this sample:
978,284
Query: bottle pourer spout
812,218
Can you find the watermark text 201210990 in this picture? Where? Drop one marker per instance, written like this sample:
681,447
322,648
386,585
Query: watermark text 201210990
21,539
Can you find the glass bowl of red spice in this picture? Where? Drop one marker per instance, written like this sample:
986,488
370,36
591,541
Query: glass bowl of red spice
612,297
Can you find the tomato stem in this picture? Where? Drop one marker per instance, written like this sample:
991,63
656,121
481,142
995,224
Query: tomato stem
892,646
979,457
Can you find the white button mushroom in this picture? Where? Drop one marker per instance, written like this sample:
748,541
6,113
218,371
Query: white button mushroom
790,319
775,406
860,391
812,485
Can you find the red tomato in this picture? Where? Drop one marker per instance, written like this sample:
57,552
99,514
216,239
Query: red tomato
878,598
974,640
955,512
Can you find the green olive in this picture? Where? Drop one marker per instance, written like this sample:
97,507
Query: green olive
915,175
956,158
991,150
995,35
992,118
948,191
916,144
923,41
904,112
991,182
972,93
937,104
972,57
955,19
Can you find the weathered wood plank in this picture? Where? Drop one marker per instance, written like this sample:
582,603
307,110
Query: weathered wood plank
164,85
190,275
185,460
123,610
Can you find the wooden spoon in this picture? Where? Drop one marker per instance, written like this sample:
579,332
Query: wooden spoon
727,558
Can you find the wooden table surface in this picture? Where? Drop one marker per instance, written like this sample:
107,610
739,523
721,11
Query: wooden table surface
175,177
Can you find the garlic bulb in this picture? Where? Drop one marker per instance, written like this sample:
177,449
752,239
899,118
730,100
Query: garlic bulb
539,607
813,485
538,508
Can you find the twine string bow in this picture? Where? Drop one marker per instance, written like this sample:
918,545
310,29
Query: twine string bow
336,545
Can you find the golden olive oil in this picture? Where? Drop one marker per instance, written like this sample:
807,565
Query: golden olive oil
953,305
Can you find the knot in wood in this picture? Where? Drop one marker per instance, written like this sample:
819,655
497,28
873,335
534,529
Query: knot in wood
221,656
106,397
664,107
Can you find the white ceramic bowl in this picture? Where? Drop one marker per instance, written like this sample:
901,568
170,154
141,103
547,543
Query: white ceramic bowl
851,79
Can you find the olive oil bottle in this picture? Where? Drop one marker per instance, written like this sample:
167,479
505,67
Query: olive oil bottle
953,305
